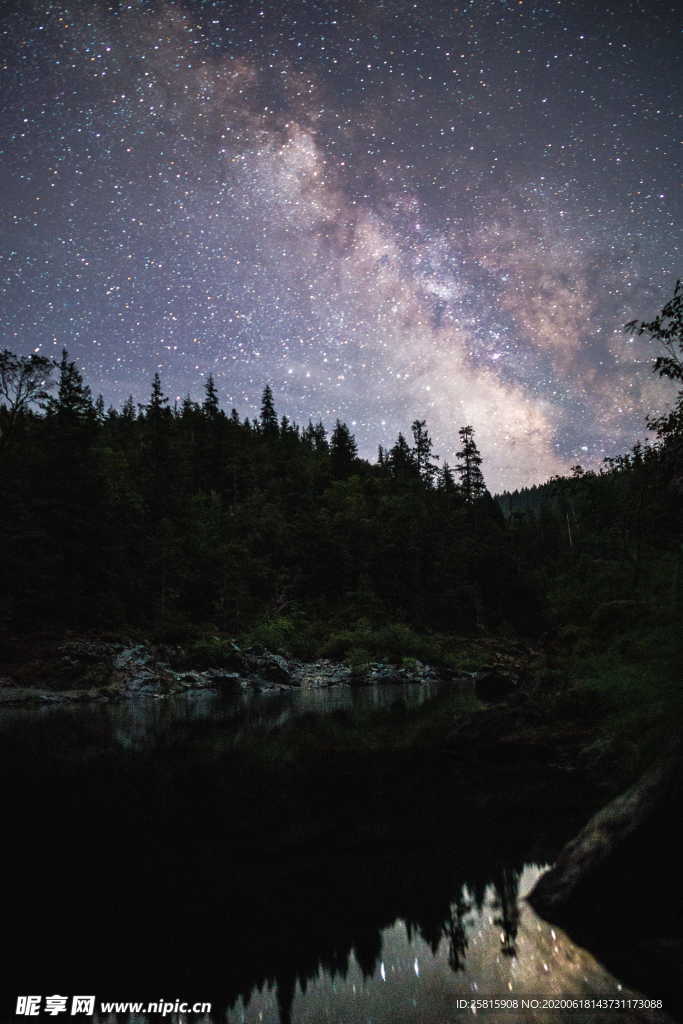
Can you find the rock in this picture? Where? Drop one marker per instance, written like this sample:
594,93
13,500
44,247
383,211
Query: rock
22,695
135,671
616,887
417,672
131,657
379,672
271,667
601,839
319,674
218,678
193,680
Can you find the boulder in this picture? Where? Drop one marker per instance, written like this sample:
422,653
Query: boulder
272,668
322,673
601,840
616,887
137,672
220,679
192,680
379,672
130,658
414,671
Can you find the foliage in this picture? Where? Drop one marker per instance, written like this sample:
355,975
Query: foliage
159,517
195,526
667,330
392,642
24,381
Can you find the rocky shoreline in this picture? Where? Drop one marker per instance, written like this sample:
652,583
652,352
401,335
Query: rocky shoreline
91,670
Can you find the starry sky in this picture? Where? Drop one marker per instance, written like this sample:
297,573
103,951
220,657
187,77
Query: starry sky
387,210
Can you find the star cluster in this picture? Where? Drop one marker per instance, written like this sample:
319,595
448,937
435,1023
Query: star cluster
386,210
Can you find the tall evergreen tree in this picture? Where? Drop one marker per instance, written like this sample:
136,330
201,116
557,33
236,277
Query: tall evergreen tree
99,409
128,410
469,463
401,459
269,424
157,407
211,405
320,442
343,450
422,452
446,481
188,408
73,402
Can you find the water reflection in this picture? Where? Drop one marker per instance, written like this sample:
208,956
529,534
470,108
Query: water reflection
489,945
137,722
357,888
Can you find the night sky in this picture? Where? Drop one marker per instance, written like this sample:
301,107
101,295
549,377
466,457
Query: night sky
386,210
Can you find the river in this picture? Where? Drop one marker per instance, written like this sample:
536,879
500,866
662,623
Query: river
135,872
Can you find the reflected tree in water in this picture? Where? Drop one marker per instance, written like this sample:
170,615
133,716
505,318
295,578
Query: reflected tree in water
455,932
506,885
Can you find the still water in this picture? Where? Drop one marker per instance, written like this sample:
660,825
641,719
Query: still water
140,722
496,949
108,810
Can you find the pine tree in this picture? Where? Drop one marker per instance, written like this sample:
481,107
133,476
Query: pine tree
157,407
343,450
320,442
446,481
269,424
73,403
422,452
128,409
316,438
471,478
211,405
401,460
188,407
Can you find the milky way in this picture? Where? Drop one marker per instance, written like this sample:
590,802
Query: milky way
386,210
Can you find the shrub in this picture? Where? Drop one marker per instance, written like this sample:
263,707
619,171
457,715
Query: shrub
278,635
212,652
393,643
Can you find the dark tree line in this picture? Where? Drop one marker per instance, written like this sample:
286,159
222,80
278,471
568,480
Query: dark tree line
190,515
616,535
157,514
